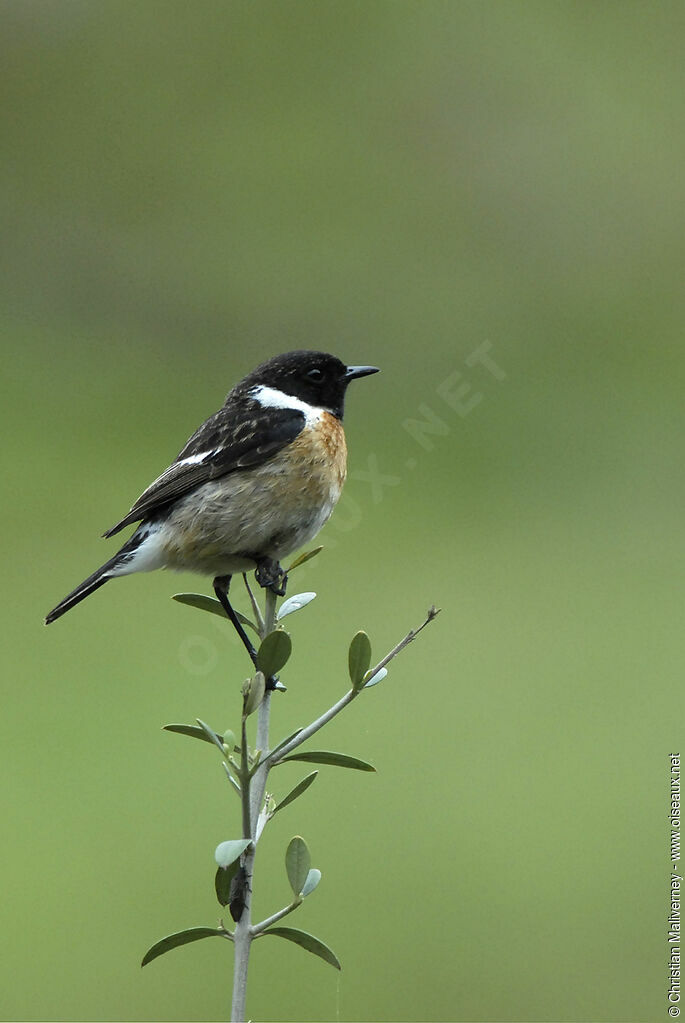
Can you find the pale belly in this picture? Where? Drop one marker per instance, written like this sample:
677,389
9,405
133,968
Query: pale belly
222,527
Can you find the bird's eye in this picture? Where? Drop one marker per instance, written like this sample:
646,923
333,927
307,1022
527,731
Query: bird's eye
315,375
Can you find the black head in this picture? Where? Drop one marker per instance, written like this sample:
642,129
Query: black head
314,377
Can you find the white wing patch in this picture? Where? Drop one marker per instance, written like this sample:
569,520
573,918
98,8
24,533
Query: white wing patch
195,459
270,397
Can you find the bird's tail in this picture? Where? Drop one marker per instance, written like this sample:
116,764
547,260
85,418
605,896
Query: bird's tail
141,553
88,586
122,563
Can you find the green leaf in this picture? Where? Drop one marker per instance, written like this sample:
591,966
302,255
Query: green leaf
359,658
304,557
295,603
313,878
211,604
274,652
228,852
222,882
180,938
301,787
255,693
307,941
327,757
297,863
212,735
194,730
231,779
205,733
371,679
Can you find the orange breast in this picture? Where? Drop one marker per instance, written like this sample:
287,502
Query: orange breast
333,441
319,455
270,510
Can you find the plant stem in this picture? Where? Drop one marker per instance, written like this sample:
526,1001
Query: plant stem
242,939
252,795
242,936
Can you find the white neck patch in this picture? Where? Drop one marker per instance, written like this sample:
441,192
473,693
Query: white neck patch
270,397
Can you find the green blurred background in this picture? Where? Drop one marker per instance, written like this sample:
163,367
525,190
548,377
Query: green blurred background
188,189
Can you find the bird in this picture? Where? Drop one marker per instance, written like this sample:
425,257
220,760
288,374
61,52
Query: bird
256,481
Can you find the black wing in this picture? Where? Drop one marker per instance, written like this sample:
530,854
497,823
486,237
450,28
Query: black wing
230,439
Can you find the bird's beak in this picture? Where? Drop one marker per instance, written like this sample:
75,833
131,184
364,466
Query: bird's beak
353,372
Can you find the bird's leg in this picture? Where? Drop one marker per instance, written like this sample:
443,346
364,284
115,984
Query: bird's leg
221,585
271,576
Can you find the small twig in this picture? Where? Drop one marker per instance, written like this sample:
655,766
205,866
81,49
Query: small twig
256,609
432,613
307,732
270,920
314,727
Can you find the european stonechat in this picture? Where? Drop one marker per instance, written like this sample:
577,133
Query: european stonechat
256,481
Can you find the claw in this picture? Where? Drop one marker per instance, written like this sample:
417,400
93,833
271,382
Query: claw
271,576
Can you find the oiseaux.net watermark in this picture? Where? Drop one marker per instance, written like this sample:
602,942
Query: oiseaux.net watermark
674,918
457,394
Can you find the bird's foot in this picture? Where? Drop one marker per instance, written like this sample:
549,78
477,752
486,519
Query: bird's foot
271,576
